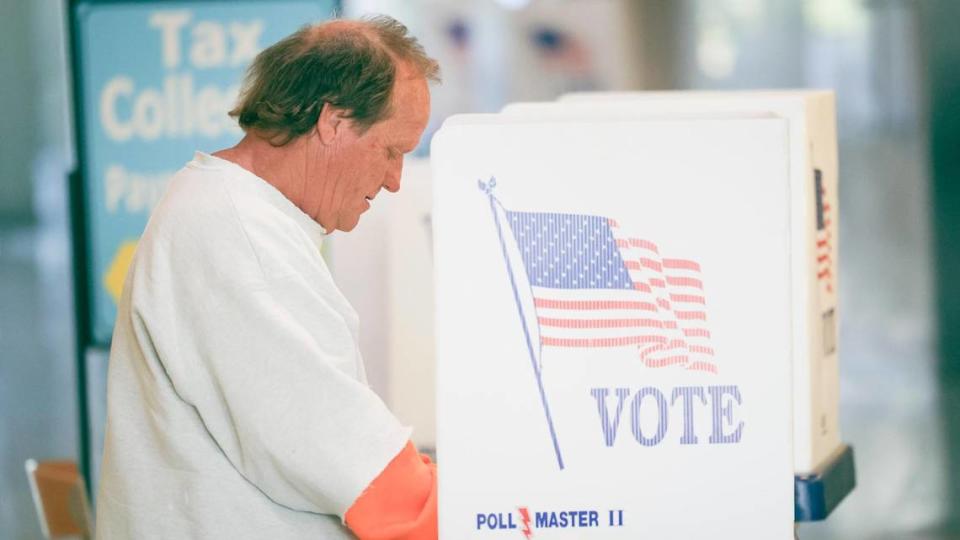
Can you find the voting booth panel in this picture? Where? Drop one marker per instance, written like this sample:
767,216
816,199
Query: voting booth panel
384,267
613,328
410,304
814,247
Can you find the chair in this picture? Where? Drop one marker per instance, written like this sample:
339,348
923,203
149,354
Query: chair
60,496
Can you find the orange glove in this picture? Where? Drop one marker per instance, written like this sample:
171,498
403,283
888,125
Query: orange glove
400,503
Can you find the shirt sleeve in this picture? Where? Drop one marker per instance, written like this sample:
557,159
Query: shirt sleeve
271,369
401,503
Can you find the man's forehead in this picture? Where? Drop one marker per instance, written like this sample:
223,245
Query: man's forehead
411,101
409,83
403,133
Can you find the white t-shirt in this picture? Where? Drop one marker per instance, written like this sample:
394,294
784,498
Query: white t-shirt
237,403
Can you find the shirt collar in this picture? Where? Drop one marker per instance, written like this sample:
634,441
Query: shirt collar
313,229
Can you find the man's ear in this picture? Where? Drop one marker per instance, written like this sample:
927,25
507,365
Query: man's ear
332,122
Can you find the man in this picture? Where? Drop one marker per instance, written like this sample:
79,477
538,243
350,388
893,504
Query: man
237,400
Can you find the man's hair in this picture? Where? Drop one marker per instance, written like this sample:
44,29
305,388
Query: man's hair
348,64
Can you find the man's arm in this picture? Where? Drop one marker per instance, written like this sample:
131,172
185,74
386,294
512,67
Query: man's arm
269,369
401,503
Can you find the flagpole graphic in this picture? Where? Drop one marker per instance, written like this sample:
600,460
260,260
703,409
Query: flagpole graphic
488,189
593,286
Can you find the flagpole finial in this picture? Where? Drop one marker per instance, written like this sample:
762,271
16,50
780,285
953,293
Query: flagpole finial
487,187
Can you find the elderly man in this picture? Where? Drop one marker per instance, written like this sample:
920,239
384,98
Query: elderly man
237,400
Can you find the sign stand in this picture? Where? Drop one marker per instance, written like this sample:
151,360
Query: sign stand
816,495
82,322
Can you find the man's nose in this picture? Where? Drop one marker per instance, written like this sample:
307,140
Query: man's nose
392,181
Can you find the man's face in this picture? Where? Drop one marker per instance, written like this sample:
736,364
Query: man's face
362,164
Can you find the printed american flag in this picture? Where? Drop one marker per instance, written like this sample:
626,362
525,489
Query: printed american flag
594,286
824,234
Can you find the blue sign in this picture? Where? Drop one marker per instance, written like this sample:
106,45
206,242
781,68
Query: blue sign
157,80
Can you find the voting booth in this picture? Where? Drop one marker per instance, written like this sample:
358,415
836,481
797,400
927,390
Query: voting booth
636,317
810,117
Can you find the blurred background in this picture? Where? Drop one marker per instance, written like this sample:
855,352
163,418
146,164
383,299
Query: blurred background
895,67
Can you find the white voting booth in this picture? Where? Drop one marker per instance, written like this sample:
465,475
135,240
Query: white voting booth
810,117
624,319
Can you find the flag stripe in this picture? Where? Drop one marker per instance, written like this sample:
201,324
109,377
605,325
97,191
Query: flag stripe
668,361
687,298
601,342
651,264
685,282
681,264
696,332
593,304
702,366
637,243
600,323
